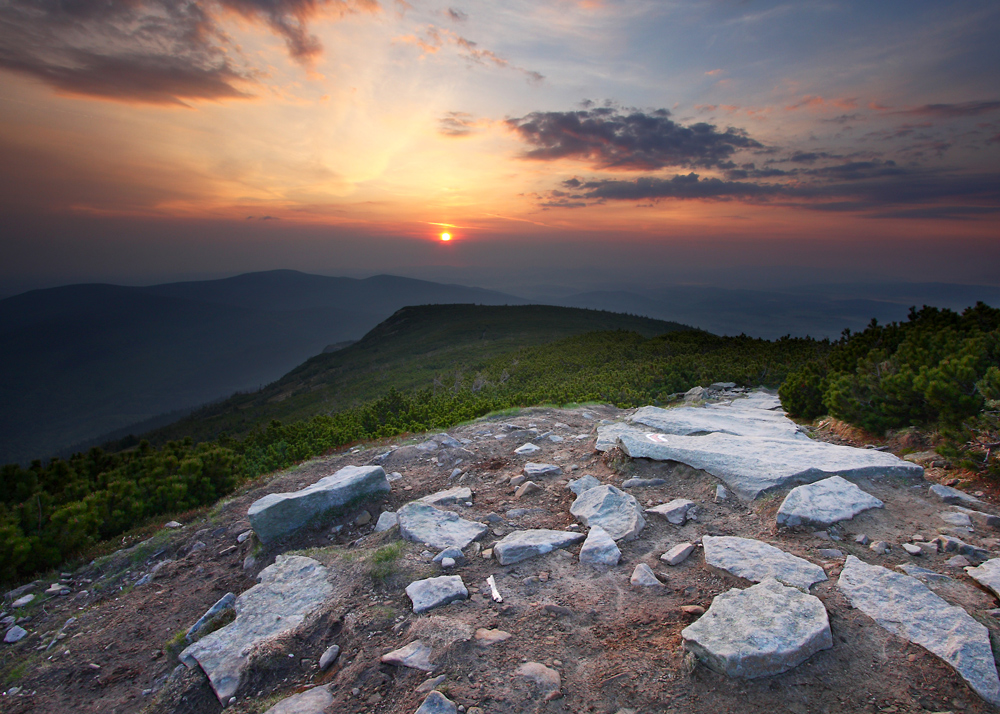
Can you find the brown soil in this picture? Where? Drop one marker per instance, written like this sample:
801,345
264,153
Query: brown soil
615,646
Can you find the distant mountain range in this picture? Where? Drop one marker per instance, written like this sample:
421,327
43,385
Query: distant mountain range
82,363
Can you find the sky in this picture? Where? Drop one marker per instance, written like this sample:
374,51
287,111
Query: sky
583,142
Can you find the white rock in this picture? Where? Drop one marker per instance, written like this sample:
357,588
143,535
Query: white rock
447,562
721,494
527,449
954,518
644,577
434,592
755,561
386,520
764,630
311,701
677,511
173,524
584,483
906,607
751,465
610,508
15,634
286,594
415,655
599,548
735,419
521,545
278,514
987,575
953,495
437,703
423,523
23,600
678,554
449,497
824,503
533,470
912,549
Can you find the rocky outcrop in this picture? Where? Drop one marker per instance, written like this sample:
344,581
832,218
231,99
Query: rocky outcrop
287,593
423,523
612,509
521,545
755,561
279,514
824,503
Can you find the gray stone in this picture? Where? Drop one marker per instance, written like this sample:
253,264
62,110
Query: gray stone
429,684
23,600
226,602
15,634
755,561
311,701
913,549
415,655
278,514
453,553
694,394
526,489
423,523
862,539
953,495
906,607
677,511
831,553
244,536
527,449
363,518
521,545
521,512
751,466
983,520
533,470
678,554
448,562
386,521
643,482
328,657
546,679
447,441
764,630
879,547
644,577
437,703
721,494
954,518
722,385
518,480
958,561
922,574
584,483
434,592
735,419
607,435
950,544
459,494
173,524
610,508
287,593
987,575
824,503
599,548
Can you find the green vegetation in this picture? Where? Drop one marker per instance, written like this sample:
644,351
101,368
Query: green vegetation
383,561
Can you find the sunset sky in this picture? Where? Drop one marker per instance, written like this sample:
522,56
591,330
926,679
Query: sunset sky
569,141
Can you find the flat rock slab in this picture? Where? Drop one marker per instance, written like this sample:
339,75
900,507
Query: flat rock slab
487,638
437,703
435,592
824,503
415,655
386,521
610,508
677,511
678,554
732,419
599,548
584,483
311,701
23,601
533,470
906,607
15,634
987,575
521,545
752,465
279,514
953,495
754,560
423,523
459,494
286,594
527,449
764,630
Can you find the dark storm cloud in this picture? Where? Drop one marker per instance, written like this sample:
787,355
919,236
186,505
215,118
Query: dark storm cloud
963,109
151,51
681,186
610,138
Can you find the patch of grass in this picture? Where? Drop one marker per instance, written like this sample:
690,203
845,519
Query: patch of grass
175,645
16,672
382,562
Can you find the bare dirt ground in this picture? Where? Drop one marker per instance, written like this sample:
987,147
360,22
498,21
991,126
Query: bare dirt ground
615,646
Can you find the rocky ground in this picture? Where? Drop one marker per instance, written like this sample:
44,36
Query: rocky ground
567,636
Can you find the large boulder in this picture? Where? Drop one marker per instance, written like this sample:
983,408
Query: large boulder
906,607
764,630
521,545
287,593
610,508
734,419
824,503
421,522
754,560
279,514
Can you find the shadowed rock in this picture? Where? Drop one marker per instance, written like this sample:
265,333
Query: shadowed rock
423,523
521,545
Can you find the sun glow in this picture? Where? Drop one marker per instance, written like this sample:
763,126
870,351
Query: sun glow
446,236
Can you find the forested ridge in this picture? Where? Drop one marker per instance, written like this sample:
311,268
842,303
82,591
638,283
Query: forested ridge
938,369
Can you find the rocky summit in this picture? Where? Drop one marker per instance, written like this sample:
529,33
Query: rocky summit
735,562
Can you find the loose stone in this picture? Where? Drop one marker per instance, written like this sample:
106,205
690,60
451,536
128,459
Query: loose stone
330,656
386,521
678,554
533,470
600,548
643,576
521,545
430,593
987,575
415,655
755,561
610,508
824,503
437,703
584,483
913,549
527,449
311,701
677,511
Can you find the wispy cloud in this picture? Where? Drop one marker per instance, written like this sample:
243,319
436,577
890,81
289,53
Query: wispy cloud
432,39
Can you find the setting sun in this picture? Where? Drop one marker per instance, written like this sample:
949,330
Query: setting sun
446,236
